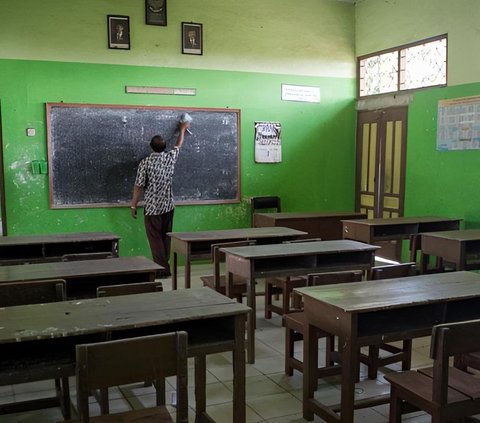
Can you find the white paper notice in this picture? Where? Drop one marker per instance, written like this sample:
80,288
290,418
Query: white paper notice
268,144
300,93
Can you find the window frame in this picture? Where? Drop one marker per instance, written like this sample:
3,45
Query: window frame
398,49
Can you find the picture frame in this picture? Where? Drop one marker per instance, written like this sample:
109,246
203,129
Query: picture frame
156,12
118,32
192,38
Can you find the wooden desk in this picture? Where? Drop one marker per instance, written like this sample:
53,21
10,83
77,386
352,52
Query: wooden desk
83,277
42,338
365,313
381,231
53,247
461,248
289,260
197,245
375,230
324,225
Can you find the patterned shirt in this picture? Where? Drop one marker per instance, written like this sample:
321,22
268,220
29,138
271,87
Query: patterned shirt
154,175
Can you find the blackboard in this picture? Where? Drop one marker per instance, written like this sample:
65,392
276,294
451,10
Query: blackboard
94,151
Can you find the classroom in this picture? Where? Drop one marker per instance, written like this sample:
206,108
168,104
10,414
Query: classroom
292,65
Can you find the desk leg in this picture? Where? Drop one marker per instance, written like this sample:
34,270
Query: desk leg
200,388
424,259
175,271
239,404
251,321
349,374
310,365
187,270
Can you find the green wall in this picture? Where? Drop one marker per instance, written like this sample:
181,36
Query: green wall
441,183
437,183
385,24
316,173
311,37
55,51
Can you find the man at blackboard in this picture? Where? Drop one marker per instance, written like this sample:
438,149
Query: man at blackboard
154,178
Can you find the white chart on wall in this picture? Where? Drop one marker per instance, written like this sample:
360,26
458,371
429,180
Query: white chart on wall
458,126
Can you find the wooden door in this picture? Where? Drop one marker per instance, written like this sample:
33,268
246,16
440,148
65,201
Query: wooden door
381,160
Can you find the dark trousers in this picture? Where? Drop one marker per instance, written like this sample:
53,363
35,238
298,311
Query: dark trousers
157,228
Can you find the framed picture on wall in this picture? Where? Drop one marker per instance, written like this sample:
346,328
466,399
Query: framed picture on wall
156,12
192,38
118,32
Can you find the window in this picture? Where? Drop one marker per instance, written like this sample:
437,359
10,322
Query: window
417,65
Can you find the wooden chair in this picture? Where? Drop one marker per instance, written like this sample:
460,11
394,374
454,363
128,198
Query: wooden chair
446,393
87,256
128,289
284,286
415,246
403,354
115,291
265,203
37,292
217,281
104,364
296,323
32,292
468,361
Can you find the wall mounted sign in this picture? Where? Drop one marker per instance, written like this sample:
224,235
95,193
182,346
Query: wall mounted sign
300,93
268,143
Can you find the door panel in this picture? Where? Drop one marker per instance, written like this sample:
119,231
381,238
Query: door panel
381,155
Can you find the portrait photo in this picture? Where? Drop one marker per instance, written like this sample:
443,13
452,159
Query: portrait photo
118,32
192,38
156,12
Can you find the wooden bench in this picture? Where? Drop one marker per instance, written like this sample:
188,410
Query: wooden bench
445,392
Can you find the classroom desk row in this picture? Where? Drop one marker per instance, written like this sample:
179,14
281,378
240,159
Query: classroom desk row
38,341
84,276
352,315
44,248
368,312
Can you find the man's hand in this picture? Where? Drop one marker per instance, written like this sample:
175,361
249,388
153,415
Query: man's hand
133,211
183,126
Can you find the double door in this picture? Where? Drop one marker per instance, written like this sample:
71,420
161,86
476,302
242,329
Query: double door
381,162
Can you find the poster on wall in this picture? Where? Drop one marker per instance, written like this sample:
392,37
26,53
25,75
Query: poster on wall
268,144
458,124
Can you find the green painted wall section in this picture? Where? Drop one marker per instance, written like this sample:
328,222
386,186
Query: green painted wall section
310,37
383,24
317,171
440,183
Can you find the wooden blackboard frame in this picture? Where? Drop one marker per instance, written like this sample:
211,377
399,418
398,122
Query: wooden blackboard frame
51,143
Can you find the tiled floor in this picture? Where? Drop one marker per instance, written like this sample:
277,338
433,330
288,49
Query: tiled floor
271,395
